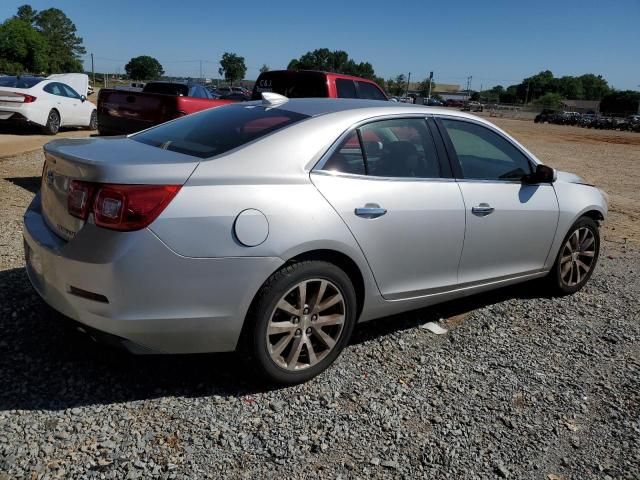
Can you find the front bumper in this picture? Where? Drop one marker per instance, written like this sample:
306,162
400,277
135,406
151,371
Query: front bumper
154,299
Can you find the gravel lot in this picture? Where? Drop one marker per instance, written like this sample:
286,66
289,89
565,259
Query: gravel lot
523,385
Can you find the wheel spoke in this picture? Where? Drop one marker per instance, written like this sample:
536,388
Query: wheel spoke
287,307
582,265
321,291
335,319
302,291
313,359
565,269
279,347
294,354
565,259
280,327
329,302
588,254
575,240
324,337
587,242
578,274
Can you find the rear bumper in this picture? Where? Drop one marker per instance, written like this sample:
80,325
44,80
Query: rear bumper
153,299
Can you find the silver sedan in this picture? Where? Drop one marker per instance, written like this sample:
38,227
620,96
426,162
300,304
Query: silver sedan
273,227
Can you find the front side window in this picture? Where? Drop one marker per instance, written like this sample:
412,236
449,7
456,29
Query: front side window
346,88
218,130
69,92
485,155
370,91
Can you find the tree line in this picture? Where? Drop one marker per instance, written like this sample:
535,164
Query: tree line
40,42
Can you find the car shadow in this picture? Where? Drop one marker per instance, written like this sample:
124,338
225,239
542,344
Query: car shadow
47,365
26,129
31,184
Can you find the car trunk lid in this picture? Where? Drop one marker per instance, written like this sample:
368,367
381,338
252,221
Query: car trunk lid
113,160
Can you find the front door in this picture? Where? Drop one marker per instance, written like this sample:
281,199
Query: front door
510,225
398,199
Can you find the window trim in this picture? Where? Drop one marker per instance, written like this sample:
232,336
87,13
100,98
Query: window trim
446,174
453,156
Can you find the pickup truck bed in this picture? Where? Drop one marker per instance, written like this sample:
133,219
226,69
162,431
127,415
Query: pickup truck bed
122,112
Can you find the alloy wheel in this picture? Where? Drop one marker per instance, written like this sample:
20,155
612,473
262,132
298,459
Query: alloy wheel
54,121
306,324
578,256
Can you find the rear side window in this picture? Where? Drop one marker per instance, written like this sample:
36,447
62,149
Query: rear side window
346,88
347,158
55,89
167,88
291,84
370,92
218,130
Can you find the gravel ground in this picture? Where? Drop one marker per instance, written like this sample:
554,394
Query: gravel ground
523,386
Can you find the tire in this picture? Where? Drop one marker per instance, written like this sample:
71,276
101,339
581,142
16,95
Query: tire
568,275
93,122
298,347
53,123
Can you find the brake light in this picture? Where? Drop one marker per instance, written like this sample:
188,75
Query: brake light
18,98
79,197
119,207
29,98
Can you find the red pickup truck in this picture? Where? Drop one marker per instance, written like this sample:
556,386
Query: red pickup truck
123,112
309,83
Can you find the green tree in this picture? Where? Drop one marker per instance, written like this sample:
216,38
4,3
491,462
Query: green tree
22,48
27,13
570,87
264,68
144,67
64,47
549,100
423,87
620,102
594,86
232,67
337,61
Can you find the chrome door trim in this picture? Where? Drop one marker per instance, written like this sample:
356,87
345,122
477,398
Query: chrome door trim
463,286
385,179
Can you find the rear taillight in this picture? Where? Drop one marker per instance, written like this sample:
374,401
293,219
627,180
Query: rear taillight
18,98
29,98
119,207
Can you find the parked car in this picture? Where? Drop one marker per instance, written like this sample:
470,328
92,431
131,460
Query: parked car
473,106
123,112
309,84
453,103
47,103
432,102
256,226
545,116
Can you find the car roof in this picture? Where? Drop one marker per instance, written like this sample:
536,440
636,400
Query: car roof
314,107
320,72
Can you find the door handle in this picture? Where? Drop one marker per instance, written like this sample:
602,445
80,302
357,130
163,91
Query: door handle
482,210
370,210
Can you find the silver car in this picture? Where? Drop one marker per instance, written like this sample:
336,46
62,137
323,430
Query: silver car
273,227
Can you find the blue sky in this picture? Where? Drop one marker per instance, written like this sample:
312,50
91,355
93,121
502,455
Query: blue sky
497,42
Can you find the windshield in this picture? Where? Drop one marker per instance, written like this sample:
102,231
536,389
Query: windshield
218,130
19,82
291,84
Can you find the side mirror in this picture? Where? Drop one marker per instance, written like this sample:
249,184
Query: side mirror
82,98
543,174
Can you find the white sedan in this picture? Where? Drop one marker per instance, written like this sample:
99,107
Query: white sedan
45,102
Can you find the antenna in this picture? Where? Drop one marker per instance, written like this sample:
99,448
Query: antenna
270,99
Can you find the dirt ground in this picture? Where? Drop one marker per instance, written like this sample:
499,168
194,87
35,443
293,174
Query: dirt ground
608,159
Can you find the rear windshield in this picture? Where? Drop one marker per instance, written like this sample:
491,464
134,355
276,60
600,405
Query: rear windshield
167,88
218,130
19,82
291,84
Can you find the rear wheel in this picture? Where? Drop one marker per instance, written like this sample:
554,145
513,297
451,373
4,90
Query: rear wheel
577,257
301,320
53,123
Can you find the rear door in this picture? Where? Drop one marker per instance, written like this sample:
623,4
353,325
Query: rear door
387,182
510,225
61,102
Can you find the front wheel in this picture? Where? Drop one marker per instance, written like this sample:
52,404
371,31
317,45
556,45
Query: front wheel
577,257
301,320
93,122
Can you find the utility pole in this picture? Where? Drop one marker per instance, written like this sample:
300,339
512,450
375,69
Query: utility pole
408,82
469,78
201,81
526,97
430,79
93,71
